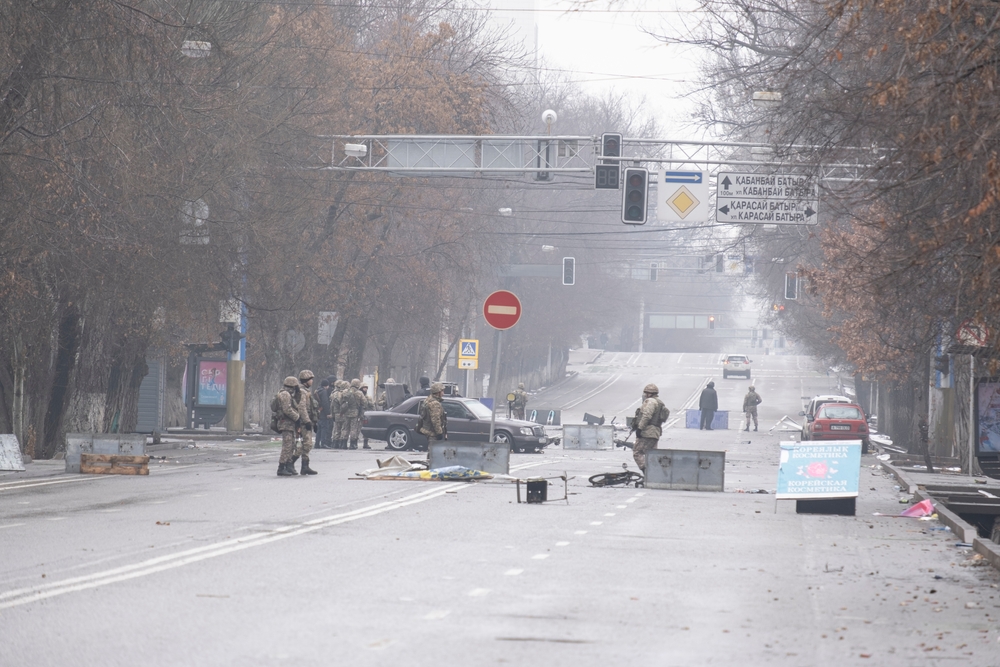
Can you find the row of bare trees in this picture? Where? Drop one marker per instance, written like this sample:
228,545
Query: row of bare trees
907,246
160,158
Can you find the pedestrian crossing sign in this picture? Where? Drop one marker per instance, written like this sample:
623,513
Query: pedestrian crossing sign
468,348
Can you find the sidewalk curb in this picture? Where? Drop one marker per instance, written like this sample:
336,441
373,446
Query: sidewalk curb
988,549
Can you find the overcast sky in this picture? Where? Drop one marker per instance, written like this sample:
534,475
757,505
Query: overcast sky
610,50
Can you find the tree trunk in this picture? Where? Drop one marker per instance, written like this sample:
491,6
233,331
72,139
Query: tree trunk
67,346
355,353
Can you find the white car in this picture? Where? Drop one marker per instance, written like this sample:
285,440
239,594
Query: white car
736,364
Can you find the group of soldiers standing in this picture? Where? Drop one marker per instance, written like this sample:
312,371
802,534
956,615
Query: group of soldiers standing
335,416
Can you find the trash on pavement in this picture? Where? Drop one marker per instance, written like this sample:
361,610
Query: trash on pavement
399,468
923,509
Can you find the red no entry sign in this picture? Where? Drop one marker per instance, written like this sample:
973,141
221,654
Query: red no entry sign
502,309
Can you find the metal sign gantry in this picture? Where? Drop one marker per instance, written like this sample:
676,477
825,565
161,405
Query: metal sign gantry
544,156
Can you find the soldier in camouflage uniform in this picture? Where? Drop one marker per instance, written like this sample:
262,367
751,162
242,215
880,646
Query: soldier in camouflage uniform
369,404
433,420
287,403
336,409
310,407
649,420
352,402
750,403
519,403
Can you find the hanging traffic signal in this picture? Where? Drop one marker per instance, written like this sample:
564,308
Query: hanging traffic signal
711,321
611,145
791,286
569,270
634,196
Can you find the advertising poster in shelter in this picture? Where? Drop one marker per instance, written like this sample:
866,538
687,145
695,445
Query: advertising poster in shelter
212,383
819,469
987,409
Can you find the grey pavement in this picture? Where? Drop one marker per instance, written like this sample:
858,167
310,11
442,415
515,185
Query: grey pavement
213,560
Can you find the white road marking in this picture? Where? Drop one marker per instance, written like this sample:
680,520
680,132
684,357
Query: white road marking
596,523
609,514
562,544
478,592
26,484
513,572
621,507
580,532
28,595
631,500
11,525
56,518
437,615
539,557
601,387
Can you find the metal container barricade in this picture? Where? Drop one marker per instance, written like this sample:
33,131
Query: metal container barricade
488,457
685,470
585,436
127,444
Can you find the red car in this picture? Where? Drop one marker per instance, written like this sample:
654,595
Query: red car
839,421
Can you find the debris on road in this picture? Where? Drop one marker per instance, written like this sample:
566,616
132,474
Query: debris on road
397,467
921,510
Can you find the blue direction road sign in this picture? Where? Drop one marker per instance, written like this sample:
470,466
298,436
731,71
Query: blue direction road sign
683,176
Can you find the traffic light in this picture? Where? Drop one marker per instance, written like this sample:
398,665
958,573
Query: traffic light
606,176
791,286
611,145
569,271
231,339
634,196
778,308
943,364
711,321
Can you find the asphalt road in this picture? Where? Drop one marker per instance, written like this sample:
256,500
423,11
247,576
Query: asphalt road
214,560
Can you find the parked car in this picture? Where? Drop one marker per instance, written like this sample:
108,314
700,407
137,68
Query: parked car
815,403
468,421
736,364
838,421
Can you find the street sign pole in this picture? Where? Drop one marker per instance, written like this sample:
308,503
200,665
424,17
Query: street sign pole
501,310
494,377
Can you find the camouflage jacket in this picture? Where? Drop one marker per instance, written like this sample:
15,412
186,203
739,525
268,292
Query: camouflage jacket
351,402
520,399
433,420
751,401
652,416
288,409
312,405
335,406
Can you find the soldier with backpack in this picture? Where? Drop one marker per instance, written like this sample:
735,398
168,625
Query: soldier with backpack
310,410
285,419
648,424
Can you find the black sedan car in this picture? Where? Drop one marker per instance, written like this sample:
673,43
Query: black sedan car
468,421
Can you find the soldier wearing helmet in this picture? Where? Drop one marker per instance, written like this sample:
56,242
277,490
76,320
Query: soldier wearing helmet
337,410
367,404
519,403
648,424
433,421
351,409
310,410
750,403
286,406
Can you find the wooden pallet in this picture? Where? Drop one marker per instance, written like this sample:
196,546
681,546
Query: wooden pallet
114,464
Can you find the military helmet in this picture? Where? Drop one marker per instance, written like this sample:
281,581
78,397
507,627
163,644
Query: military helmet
305,376
751,387
291,381
340,384
520,385
356,383
437,388
651,389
